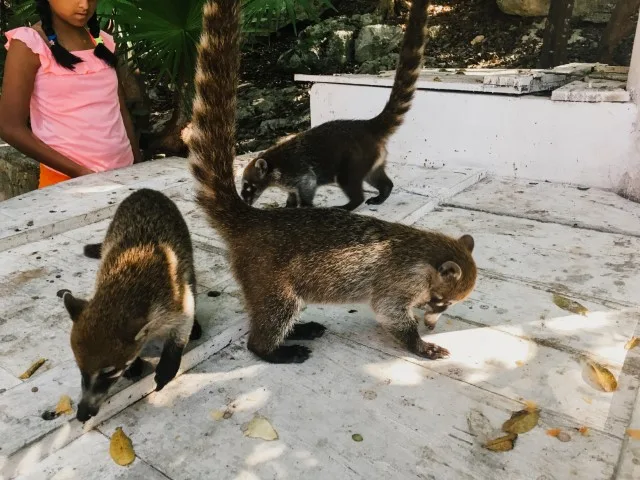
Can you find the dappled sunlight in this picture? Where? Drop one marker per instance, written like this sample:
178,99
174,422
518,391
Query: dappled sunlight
191,383
265,452
435,10
397,372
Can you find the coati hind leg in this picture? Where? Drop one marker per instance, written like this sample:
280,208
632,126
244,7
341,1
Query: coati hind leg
378,179
307,187
272,317
398,317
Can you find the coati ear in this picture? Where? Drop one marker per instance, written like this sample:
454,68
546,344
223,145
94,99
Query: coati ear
74,305
467,241
261,167
450,271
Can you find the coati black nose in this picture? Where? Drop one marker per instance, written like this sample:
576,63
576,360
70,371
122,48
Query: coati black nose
85,412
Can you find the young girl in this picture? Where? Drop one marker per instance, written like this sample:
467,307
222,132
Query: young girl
61,75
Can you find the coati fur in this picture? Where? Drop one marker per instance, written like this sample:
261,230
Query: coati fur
284,257
145,289
346,152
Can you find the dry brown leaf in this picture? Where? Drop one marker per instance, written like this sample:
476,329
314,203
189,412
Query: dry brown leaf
259,427
521,422
553,432
121,448
217,415
519,363
634,433
632,343
584,431
33,368
569,305
64,405
530,406
502,444
603,377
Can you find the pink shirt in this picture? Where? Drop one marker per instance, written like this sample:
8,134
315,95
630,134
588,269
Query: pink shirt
77,112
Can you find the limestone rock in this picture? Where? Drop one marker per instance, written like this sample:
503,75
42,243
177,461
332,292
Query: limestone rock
18,173
375,41
597,11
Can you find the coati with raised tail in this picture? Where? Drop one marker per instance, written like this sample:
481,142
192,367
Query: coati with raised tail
145,289
346,152
284,257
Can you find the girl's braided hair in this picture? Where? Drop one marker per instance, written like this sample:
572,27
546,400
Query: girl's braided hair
63,56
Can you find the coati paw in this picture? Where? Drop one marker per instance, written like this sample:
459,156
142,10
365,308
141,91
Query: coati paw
430,320
196,331
161,381
288,354
375,200
135,369
307,331
432,351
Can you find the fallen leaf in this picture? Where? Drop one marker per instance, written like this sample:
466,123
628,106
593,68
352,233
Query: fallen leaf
64,405
502,444
33,368
563,437
436,79
569,305
584,431
530,406
477,39
553,432
521,422
519,363
479,425
633,433
587,400
603,377
217,415
632,343
356,437
259,427
121,448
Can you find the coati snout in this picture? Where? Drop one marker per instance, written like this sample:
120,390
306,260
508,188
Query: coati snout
254,180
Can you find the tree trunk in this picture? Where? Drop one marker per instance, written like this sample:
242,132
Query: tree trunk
620,26
556,34
136,98
386,9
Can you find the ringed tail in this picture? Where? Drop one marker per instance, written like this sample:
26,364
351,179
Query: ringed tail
407,72
212,137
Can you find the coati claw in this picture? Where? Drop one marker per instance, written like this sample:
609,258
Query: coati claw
432,351
307,331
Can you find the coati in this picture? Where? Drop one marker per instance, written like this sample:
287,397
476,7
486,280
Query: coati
344,151
145,289
284,257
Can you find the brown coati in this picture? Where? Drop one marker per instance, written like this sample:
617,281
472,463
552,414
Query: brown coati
284,257
145,290
344,151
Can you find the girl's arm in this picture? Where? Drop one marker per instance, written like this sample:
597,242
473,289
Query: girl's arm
20,70
128,125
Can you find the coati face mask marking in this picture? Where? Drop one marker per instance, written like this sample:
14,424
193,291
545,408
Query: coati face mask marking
254,181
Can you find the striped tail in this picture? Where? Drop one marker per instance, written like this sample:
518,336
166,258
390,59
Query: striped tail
407,72
212,137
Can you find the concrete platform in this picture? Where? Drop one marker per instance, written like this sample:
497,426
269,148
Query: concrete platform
510,344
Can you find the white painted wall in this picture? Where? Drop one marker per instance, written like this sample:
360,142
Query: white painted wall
528,137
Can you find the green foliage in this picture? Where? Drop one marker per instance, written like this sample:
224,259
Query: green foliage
266,16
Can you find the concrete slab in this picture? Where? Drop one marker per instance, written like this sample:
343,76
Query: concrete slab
588,264
592,90
581,207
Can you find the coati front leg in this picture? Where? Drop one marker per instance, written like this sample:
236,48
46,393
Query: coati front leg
196,330
378,179
307,187
400,320
272,317
134,370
